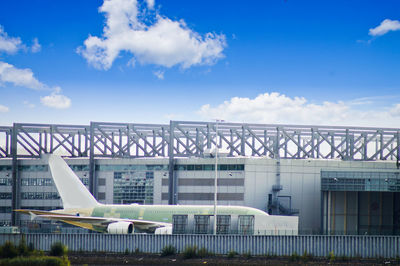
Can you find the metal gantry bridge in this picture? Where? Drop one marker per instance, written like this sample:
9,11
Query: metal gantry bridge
193,139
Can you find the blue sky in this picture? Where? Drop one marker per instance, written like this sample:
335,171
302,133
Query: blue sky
292,62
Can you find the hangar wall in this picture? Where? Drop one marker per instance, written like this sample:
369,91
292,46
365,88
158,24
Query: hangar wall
242,181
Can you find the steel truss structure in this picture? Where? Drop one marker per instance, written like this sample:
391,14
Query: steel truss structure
193,139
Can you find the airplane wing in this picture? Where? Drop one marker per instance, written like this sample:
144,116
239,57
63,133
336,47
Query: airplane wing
92,223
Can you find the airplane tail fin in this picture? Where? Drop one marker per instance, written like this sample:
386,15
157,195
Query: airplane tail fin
73,193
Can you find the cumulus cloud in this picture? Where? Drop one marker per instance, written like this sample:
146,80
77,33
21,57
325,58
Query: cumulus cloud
150,4
35,46
159,74
385,26
395,111
56,100
29,105
162,41
276,108
10,74
3,109
19,77
9,44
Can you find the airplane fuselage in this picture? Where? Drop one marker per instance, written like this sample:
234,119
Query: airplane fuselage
159,213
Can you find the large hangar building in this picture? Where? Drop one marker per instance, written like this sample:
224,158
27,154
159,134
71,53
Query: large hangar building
338,180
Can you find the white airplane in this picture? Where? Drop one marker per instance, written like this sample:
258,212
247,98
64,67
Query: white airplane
81,209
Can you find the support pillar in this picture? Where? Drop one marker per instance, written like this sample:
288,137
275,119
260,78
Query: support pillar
16,195
92,174
172,184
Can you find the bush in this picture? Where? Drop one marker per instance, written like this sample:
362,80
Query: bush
23,248
33,261
306,256
231,254
190,252
58,249
331,256
31,247
203,252
8,250
126,251
294,257
167,251
247,255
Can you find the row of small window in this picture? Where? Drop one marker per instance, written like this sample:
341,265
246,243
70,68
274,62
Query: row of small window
35,181
132,167
32,195
43,168
134,189
5,209
5,223
5,182
132,183
133,175
40,195
358,174
137,195
27,168
209,167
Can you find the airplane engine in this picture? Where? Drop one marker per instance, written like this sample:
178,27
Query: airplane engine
120,228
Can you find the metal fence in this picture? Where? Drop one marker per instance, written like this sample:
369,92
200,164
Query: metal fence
319,246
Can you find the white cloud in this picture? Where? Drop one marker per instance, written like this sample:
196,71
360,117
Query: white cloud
19,77
56,100
35,46
275,108
395,111
159,74
25,78
164,42
385,26
29,105
3,109
150,4
9,44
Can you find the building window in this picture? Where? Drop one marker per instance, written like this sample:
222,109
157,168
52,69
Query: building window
179,224
5,222
209,167
223,224
133,187
36,182
5,168
246,224
6,195
33,168
39,195
201,224
5,182
85,181
5,209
